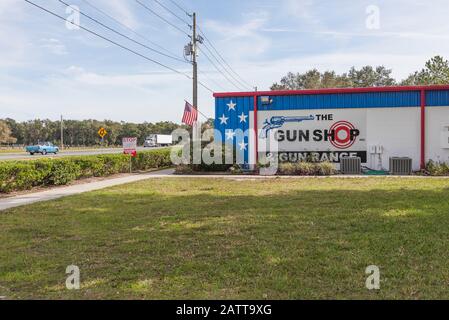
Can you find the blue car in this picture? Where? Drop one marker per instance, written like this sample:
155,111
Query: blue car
43,149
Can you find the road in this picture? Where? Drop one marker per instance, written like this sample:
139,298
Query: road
67,153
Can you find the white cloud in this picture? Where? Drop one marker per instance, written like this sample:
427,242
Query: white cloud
54,46
13,41
241,41
377,34
230,30
119,9
301,9
145,81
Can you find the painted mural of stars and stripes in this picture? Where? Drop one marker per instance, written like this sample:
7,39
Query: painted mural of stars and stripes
234,115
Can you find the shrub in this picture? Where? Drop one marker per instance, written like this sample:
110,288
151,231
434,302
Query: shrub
63,171
235,169
307,169
115,163
288,168
17,176
90,166
152,160
437,168
326,168
214,167
24,175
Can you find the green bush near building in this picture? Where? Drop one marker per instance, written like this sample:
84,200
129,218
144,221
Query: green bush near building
437,168
307,169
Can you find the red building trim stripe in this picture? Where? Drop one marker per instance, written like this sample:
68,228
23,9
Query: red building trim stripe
423,129
256,134
329,91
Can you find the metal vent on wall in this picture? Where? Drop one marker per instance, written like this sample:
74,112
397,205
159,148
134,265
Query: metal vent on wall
401,166
351,165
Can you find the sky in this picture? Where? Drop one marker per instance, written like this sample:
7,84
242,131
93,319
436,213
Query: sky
48,70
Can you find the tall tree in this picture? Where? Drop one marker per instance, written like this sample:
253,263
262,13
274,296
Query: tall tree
370,77
435,72
314,79
17,129
84,132
5,133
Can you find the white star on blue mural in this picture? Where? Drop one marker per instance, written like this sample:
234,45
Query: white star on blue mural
223,119
231,105
243,117
243,145
230,134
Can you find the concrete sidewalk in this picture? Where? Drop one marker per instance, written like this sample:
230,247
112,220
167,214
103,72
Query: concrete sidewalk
26,199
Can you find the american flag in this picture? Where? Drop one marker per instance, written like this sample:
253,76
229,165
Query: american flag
190,114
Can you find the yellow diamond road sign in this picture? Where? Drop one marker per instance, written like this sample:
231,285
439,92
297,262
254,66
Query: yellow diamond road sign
102,132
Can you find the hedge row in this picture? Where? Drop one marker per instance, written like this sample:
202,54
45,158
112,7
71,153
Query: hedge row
290,169
24,175
307,169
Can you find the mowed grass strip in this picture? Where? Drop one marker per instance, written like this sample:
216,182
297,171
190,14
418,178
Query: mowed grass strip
233,239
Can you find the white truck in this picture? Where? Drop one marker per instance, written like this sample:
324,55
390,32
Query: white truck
158,140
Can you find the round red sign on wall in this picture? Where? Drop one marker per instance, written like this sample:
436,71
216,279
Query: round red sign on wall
342,134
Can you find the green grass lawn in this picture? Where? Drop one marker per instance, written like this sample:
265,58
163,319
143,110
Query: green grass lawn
223,239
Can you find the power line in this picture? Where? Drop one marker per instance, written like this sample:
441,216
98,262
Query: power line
235,84
205,117
221,57
210,79
180,8
224,68
128,28
212,54
234,75
238,83
162,18
116,43
123,35
174,14
223,74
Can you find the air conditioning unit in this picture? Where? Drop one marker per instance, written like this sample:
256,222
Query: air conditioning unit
400,166
351,165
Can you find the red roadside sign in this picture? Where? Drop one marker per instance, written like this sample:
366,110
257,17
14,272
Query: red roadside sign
130,146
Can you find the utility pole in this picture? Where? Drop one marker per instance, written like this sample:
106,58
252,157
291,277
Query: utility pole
194,63
195,130
191,50
62,133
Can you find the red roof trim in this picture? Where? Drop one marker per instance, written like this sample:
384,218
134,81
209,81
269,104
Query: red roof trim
330,91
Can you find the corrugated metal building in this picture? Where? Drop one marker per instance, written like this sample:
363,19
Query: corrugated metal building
373,123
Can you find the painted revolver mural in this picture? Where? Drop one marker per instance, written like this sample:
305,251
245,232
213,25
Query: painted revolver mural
278,121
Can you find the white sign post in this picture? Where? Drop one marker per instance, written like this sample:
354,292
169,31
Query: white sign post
130,147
